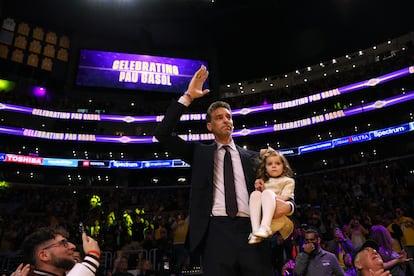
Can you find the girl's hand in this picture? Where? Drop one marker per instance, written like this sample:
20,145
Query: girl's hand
259,185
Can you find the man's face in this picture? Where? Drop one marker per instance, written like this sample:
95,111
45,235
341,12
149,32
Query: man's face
221,124
367,259
338,234
59,253
123,264
311,238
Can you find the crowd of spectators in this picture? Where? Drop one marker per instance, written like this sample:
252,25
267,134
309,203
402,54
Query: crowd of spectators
128,220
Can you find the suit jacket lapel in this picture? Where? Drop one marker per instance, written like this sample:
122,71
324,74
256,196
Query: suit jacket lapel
248,168
211,152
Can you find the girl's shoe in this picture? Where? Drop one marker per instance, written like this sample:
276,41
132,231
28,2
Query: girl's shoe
263,232
254,239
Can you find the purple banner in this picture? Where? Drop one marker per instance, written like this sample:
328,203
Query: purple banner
136,72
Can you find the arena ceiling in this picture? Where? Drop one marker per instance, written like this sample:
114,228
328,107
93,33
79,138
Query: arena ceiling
250,39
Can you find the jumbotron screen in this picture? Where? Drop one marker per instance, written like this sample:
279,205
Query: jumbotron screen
135,72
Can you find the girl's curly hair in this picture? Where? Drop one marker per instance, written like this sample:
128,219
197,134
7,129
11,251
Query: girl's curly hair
264,154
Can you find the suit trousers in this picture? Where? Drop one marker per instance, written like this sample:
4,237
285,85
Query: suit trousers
227,252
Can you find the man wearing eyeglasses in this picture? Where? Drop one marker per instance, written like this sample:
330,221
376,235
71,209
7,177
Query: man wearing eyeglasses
50,254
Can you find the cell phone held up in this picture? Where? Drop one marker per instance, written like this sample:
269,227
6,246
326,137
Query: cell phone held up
81,228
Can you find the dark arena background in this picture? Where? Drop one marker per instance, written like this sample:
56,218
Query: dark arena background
330,85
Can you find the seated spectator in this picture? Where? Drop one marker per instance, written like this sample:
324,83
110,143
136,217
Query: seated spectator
146,269
121,267
367,261
131,250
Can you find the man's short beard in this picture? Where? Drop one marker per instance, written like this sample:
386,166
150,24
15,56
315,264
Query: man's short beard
64,263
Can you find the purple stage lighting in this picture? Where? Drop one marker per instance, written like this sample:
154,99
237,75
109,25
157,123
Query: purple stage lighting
39,91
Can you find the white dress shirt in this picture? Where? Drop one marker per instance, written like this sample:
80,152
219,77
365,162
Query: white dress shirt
219,205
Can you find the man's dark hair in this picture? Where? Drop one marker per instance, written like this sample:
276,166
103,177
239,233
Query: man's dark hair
312,231
214,106
31,243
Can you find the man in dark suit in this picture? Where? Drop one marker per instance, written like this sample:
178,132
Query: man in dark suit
221,239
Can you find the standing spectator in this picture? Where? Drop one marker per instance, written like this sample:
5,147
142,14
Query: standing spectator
395,231
138,228
366,222
165,248
407,226
314,260
315,221
149,242
218,233
48,252
180,230
120,233
298,239
340,245
160,224
393,261
357,232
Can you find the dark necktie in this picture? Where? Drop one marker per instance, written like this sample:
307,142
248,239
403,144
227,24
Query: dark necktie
229,188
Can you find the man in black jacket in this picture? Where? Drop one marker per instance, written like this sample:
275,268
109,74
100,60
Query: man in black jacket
221,239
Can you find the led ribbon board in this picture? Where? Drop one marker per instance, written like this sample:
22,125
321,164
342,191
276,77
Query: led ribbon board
201,116
178,163
64,136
